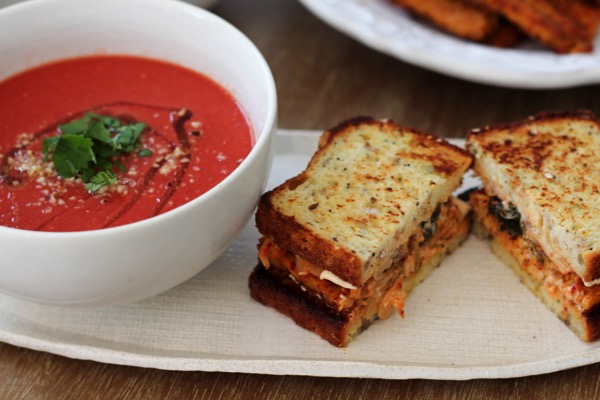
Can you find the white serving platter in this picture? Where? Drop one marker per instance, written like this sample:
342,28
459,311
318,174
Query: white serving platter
470,319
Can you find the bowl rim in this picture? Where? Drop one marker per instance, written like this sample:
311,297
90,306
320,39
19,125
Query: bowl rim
261,139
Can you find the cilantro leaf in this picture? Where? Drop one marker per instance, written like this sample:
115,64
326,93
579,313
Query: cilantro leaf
145,153
87,147
101,179
87,174
75,127
128,136
71,154
107,121
49,145
97,130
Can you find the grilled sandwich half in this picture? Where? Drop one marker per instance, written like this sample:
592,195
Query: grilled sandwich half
540,207
370,217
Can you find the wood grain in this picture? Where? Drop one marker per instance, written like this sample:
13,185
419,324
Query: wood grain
27,374
322,78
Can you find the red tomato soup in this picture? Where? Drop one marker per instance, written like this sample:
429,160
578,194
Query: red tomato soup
194,135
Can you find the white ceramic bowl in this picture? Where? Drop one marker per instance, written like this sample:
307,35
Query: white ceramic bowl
132,262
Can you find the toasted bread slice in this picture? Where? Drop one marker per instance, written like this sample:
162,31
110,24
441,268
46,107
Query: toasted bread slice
364,193
548,166
563,293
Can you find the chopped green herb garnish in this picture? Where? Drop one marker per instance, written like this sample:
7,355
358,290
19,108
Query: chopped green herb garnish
101,179
145,153
86,148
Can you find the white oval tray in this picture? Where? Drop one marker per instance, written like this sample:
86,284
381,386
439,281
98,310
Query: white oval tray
470,319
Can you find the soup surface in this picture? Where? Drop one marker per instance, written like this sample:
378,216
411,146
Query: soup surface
194,135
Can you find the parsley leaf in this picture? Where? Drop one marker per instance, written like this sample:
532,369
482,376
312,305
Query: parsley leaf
101,179
71,154
128,136
97,130
86,148
76,127
145,153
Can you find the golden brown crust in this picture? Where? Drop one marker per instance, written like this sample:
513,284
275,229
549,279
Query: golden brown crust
300,240
592,260
446,158
545,116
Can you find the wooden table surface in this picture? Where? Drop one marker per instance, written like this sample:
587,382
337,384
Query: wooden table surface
322,78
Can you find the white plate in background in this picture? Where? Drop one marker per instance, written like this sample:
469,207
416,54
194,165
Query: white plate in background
387,28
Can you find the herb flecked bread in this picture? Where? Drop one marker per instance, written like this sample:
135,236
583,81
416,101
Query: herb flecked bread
346,239
365,191
540,207
548,166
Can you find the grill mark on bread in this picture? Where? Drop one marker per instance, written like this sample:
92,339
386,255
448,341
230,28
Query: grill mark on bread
531,157
440,165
